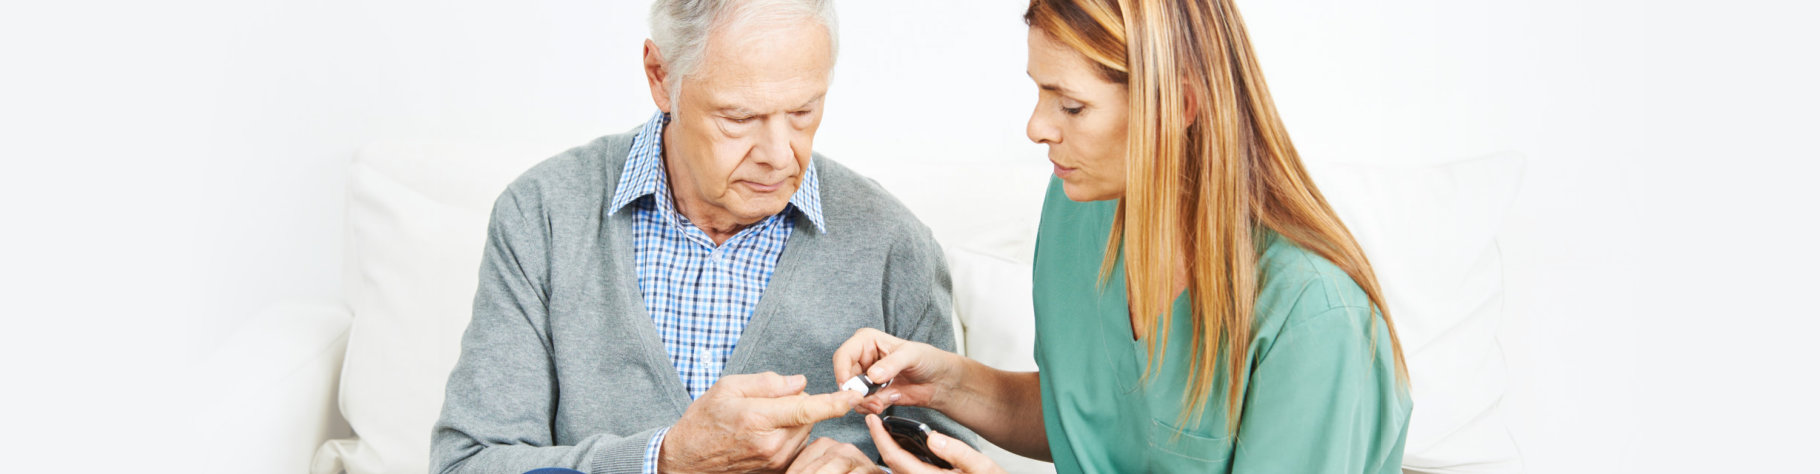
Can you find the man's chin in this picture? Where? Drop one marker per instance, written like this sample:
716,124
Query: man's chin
755,211
766,203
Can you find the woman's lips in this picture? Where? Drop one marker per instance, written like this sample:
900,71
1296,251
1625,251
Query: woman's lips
1062,171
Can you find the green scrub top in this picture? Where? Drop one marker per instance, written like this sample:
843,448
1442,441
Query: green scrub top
1317,399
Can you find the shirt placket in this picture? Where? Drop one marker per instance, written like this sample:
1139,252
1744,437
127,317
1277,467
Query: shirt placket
720,309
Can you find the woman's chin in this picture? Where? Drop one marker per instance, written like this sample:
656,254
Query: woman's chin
1079,192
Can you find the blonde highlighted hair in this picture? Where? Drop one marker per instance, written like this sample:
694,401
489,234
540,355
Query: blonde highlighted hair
1209,166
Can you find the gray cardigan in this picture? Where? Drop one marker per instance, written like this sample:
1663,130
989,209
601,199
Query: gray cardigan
562,367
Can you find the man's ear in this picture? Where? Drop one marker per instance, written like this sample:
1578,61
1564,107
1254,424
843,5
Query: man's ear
656,70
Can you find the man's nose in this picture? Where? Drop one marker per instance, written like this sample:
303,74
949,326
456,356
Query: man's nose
774,147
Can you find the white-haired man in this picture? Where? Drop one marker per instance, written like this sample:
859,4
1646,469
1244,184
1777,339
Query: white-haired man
640,294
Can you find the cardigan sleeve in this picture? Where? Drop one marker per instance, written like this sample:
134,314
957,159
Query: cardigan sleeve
500,403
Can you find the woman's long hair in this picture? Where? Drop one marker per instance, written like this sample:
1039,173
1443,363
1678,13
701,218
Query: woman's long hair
1209,165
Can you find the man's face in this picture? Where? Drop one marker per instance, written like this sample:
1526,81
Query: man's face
741,130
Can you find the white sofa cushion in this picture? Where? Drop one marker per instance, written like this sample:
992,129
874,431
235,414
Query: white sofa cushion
265,398
1431,234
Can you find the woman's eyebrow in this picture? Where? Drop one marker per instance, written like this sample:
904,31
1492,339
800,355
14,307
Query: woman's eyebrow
1049,87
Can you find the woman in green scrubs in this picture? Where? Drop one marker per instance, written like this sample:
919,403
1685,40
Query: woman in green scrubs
1199,306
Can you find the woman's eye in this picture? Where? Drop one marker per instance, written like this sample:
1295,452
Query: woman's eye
1073,110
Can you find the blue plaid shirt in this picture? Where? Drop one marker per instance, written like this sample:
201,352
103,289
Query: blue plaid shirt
700,296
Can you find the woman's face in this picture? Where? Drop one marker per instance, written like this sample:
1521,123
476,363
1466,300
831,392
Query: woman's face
1081,116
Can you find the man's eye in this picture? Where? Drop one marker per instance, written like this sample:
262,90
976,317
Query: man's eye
1073,110
739,119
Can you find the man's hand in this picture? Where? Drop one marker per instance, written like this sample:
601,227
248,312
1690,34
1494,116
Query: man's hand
827,456
745,423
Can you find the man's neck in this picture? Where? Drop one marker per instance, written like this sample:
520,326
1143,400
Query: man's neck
718,224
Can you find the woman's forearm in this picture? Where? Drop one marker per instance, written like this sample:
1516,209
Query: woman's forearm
1004,407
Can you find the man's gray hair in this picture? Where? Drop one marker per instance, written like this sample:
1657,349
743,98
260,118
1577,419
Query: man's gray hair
680,28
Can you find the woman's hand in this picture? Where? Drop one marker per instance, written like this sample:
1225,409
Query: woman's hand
920,374
962,457
1005,408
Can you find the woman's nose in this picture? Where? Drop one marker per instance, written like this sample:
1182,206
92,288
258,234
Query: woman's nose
1040,131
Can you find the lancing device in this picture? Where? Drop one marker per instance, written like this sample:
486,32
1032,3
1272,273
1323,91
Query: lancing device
863,384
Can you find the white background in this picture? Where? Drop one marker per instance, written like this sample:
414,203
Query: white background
169,168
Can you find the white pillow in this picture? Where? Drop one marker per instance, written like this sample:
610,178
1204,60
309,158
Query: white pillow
989,207
417,217
1431,235
992,302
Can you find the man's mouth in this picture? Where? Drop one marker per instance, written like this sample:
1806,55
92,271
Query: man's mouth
764,188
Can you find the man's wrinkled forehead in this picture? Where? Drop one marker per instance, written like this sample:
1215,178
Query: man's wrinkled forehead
771,55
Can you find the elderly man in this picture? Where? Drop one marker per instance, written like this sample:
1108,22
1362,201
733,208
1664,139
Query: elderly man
640,294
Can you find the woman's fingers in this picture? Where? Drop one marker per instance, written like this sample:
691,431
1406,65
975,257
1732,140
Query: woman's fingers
901,461
866,346
899,358
963,457
846,357
877,403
